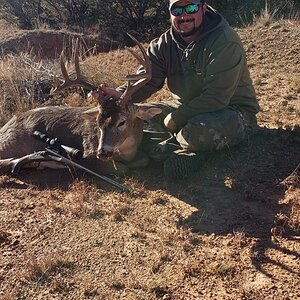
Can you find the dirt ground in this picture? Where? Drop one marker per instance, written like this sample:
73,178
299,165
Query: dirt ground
230,232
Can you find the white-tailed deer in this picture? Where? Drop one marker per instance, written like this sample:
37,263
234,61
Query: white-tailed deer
111,130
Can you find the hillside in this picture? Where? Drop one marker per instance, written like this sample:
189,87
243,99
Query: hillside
231,232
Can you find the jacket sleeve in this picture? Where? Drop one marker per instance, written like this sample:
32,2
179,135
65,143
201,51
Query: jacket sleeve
158,74
223,70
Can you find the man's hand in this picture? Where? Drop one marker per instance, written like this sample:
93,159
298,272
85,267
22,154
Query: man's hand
169,123
109,92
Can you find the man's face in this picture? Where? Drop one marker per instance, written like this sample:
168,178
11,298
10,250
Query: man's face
186,24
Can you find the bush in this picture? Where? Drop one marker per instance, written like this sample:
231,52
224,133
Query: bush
144,16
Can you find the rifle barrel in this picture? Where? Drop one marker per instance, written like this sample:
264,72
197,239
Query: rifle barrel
104,178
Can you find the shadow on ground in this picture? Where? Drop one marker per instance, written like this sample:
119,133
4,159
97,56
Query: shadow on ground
239,190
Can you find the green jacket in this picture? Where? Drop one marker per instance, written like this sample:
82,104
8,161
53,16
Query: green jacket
207,75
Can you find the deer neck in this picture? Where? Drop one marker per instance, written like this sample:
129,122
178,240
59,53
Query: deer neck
129,147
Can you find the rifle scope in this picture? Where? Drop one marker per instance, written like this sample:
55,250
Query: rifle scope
55,144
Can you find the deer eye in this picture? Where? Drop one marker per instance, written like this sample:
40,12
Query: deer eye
122,123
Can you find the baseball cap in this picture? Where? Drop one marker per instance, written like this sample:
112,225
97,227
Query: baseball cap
191,1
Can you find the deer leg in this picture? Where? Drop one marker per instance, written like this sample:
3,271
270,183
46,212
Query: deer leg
6,165
46,165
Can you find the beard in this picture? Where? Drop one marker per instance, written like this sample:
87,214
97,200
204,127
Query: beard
185,33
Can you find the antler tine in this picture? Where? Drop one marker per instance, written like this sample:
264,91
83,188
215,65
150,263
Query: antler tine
79,81
77,68
63,66
145,61
76,60
139,79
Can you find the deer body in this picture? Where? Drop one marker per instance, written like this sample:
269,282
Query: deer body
112,130
73,128
65,123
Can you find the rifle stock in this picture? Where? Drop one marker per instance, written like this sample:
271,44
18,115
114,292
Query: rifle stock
19,163
55,151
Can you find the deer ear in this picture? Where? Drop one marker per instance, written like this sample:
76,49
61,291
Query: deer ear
147,112
91,114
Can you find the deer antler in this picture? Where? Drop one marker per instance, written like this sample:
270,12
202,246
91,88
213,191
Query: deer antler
136,81
78,81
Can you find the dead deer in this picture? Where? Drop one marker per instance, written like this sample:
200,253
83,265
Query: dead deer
110,131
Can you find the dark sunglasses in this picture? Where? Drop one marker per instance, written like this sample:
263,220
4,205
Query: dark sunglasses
189,9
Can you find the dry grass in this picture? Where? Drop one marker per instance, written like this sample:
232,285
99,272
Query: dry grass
229,232
7,29
269,16
295,79
266,16
77,202
24,83
9,295
290,222
42,269
109,68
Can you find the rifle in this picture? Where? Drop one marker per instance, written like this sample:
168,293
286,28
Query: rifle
56,151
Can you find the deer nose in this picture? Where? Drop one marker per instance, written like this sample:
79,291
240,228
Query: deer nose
104,154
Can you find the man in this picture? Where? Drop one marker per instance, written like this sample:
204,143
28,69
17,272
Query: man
214,104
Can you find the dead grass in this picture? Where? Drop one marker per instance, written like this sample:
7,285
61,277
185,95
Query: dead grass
294,219
78,201
295,79
9,295
266,16
43,268
221,268
229,232
269,16
24,83
110,67
25,80
7,29
290,222
292,182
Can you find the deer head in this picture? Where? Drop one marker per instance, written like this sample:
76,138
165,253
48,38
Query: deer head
119,122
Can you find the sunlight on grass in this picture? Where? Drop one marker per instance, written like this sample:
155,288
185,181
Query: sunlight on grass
266,16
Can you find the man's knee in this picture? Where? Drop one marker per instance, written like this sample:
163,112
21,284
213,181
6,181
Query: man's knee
212,131
200,138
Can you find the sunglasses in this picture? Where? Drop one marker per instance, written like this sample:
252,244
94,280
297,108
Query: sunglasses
189,9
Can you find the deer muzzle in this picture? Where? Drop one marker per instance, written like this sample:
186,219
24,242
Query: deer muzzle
105,154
